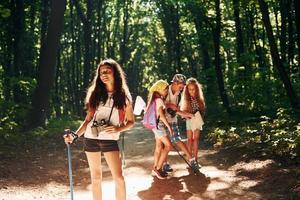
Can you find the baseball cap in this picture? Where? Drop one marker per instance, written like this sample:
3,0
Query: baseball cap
179,78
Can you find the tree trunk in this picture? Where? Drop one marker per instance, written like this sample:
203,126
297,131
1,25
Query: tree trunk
291,33
19,30
57,84
219,73
238,30
297,23
277,62
283,13
47,64
169,17
123,46
87,32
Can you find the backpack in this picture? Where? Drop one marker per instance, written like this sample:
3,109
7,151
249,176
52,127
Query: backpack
150,120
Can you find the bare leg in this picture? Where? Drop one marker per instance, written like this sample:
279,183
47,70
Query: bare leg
94,160
113,160
164,153
196,142
157,151
189,134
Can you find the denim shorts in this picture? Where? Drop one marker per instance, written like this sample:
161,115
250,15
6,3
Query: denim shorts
95,145
160,131
176,137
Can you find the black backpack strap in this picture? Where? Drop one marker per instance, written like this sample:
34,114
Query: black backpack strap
179,98
110,113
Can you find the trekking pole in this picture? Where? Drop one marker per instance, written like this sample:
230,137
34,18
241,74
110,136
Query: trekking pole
187,162
70,170
123,151
67,132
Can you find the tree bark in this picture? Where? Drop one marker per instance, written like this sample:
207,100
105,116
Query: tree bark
47,64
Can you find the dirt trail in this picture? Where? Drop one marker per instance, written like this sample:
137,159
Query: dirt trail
41,173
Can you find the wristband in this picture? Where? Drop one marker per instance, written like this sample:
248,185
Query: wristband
74,135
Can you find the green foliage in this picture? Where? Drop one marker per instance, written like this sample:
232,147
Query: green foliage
54,128
278,136
14,110
4,12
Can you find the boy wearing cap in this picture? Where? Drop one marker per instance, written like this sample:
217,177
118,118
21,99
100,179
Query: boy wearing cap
172,107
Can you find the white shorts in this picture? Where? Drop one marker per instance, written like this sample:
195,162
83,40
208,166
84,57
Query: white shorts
195,122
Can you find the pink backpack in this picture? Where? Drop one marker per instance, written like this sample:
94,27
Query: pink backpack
150,119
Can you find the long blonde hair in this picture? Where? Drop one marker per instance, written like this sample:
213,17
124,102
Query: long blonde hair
186,104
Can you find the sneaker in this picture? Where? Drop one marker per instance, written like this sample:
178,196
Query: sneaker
160,174
167,168
199,166
194,166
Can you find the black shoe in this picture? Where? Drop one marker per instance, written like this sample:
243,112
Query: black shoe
167,168
160,174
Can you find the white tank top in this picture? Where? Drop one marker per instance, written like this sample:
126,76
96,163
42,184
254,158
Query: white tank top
103,112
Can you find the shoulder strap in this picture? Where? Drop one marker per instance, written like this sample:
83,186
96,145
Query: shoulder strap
179,98
110,112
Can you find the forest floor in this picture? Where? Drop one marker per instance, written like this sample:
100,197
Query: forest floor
39,170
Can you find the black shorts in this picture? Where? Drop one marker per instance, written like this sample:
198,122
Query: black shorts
95,145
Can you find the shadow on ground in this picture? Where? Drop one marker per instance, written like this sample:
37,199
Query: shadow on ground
226,174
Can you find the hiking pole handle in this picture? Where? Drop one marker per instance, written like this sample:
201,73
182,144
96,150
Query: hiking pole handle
72,133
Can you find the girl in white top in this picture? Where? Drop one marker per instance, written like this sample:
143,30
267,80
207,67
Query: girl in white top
109,112
193,102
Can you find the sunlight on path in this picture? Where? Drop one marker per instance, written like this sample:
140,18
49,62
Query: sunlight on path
214,182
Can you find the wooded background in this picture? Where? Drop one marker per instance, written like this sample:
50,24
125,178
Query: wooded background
245,53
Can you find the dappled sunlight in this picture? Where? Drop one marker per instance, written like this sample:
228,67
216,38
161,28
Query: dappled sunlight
248,183
252,165
218,179
217,185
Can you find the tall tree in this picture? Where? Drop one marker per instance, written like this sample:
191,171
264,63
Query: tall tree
220,79
19,33
169,16
123,46
87,35
297,23
238,30
47,64
277,62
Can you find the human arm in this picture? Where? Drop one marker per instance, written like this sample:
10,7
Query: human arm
178,111
184,114
124,126
69,138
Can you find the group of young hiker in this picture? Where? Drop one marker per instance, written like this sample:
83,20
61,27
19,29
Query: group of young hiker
169,104
109,109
